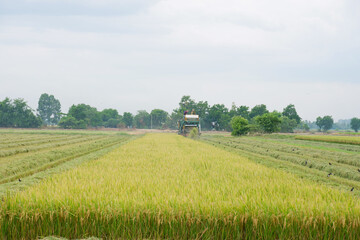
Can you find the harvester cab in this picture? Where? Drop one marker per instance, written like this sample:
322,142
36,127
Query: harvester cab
189,122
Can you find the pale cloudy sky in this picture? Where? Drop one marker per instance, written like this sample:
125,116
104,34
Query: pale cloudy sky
145,54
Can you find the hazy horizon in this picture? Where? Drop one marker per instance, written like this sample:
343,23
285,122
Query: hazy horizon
146,54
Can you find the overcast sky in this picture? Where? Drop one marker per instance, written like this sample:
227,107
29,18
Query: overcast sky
144,54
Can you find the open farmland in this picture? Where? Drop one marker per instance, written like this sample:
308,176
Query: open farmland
28,156
333,139
167,186
333,164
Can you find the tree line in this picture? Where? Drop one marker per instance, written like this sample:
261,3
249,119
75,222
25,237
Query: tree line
238,119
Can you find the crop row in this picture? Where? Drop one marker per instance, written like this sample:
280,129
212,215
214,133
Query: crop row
45,145
21,165
333,139
167,186
9,139
36,141
332,167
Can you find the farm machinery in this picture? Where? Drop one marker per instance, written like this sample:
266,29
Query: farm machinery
189,122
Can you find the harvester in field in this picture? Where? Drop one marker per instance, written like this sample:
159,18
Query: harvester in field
189,122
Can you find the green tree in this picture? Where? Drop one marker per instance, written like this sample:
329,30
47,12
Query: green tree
112,123
88,114
172,120
218,117
186,104
110,118
258,110
303,126
158,117
49,109
128,119
291,113
202,108
355,124
16,113
324,123
242,111
319,122
142,119
109,113
269,122
239,125
69,122
287,125
6,113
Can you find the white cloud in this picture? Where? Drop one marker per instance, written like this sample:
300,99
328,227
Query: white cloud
147,54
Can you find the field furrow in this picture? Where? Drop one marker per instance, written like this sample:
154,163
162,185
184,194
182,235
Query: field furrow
50,151
36,141
327,165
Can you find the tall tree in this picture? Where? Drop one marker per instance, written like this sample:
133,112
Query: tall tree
186,104
110,118
86,113
128,119
291,113
355,124
242,111
324,123
158,117
142,119
49,109
219,117
109,113
287,125
258,110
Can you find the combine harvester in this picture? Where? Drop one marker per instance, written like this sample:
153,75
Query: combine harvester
189,122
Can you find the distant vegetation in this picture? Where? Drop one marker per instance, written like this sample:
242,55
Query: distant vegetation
16,113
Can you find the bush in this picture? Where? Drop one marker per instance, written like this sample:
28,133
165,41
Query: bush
239,125
70,122
269,122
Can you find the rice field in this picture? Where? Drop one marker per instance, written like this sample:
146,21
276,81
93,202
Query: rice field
25,155
333,164
333,139
167,186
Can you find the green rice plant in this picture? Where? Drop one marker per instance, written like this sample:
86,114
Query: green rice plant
23,158
167,186
306,160
333,139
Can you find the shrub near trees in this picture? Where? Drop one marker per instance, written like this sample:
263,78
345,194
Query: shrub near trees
269,122
239,125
